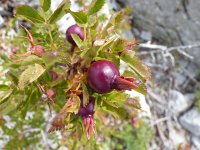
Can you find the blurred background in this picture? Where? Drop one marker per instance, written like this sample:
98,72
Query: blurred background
169,37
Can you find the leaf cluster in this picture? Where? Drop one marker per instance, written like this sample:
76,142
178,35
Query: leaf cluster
27,78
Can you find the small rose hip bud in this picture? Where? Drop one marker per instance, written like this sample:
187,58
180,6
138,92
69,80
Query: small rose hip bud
35,49
54,74
74,29
38,50
87,110
14,50
136,122
103,76
50,94
133,119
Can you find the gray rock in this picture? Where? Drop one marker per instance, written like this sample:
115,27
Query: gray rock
196,143
174,18
146,35
180,78
191,121
173,21
179,103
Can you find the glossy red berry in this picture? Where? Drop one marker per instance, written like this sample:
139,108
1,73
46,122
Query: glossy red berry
74,29
101,76
87,110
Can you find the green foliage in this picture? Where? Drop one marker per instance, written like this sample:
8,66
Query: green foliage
80,17
133,139
27,79
4,87
29,75
45,4
4,96
30,14
59,12
136,65
95,6
77,40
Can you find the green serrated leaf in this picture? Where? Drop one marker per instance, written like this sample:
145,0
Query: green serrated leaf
116,112
136,65
93,22
31,96
4,57
53,56
141,89
22,102
39,70
4,87
12,77
85,94
80,17
31,60
95,6
7,108
31,74
29,13
59,12
107,44
46,4
73,105
111,57
77,40
113,23
4,96
116,96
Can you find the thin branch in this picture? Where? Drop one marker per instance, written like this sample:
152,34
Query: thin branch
162,48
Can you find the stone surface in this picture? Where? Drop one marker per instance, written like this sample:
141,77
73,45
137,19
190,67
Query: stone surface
196,143
191,121
178,102
173,21
147,36
177,137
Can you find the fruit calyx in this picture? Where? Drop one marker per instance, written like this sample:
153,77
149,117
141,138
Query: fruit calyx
123,83
86,112
90,127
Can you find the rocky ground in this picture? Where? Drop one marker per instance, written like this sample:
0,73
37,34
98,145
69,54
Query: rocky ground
170,44
170,47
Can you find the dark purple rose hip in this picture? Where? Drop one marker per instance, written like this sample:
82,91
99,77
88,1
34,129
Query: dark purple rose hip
74,29
103,76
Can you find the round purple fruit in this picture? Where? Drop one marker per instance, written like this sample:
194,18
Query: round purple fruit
87,110
74,29
103,76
